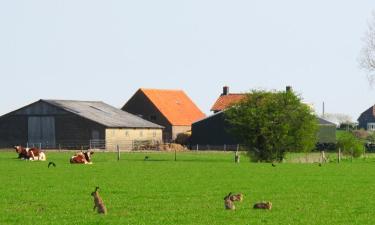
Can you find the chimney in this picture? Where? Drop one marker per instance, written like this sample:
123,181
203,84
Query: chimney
288,88
225,90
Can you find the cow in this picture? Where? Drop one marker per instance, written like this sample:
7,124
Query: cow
82,157
30,153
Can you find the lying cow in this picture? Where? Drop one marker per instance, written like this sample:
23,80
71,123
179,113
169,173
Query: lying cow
30,153
82,157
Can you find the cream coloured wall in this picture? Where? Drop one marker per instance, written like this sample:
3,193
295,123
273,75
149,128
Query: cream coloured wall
124,137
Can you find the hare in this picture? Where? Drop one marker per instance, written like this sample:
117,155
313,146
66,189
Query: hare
228,203
98,202
263,205
236,197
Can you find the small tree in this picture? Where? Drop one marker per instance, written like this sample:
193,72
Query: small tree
272,123
350,144
367,55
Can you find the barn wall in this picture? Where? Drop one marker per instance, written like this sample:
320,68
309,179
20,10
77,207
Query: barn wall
76,131
212,131
327,134
13,131
140,105
124,137
179,129
366,117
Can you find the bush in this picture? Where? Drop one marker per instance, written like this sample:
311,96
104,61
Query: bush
349,144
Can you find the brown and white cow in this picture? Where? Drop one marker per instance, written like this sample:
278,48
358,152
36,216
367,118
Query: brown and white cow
82,157
30,153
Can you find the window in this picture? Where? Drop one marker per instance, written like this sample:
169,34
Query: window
371,126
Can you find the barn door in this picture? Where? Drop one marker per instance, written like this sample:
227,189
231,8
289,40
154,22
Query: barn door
41,129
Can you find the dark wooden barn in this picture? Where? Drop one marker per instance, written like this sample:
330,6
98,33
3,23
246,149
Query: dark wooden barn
214,130
74,123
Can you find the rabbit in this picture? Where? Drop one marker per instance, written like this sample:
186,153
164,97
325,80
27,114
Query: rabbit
228,203
98,202
236,197
263,205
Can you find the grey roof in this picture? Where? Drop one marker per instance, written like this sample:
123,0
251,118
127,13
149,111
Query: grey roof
325,122
102,113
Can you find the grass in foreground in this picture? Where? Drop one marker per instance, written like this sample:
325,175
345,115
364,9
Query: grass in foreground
189,191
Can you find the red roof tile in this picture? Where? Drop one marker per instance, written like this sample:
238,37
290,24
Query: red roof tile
225,101
175,105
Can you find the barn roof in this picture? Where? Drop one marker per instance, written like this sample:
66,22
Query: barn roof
325,122
225,101
175,105
102,113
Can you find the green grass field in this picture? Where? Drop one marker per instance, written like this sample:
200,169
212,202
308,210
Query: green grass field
188,191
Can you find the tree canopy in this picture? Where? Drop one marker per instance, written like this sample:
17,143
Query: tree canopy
271,123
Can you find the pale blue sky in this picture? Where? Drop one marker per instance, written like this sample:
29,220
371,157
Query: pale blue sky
106,50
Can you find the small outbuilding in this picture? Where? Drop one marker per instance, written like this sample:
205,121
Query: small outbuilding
66,123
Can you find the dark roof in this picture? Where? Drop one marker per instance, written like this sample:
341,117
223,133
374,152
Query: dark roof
325,122
102,113
225,101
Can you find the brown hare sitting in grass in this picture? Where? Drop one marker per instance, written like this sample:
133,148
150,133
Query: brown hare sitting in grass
228,203
99,205
263,205
237,197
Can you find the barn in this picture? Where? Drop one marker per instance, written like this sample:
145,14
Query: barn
172,109
215,130
71,124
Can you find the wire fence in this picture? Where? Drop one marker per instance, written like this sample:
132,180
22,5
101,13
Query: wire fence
131,145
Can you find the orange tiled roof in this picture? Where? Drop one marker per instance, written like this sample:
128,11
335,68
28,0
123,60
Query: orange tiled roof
175,105
225,101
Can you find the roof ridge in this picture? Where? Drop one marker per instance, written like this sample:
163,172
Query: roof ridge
157,89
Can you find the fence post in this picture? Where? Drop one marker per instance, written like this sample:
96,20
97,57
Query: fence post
118,152
197,147
175,155
339,156
236,157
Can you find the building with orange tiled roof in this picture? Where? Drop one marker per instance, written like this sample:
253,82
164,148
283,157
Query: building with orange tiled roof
172,109
226,100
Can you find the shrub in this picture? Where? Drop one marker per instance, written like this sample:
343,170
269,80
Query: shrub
350,144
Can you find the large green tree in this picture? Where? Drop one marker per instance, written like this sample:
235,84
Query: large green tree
272,123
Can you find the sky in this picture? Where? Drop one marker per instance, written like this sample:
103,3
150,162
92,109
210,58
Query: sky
107,50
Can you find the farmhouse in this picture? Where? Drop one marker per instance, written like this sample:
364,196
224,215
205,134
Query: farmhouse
214,130
172,109
367,119
67,123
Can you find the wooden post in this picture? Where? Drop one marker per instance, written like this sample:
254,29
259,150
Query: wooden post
236,157
118,152
339,156
175,155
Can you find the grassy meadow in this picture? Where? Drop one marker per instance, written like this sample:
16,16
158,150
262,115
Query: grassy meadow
187,191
